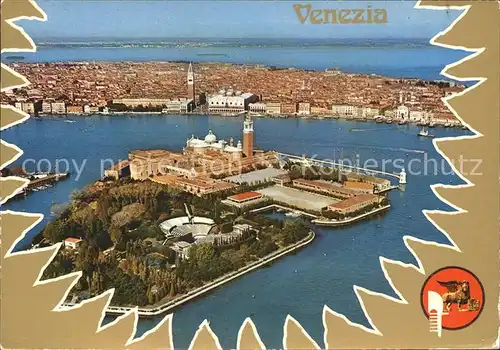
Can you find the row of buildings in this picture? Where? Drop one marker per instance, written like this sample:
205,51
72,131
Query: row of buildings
409,107
97,83
230,101
347,197
58,107
225,102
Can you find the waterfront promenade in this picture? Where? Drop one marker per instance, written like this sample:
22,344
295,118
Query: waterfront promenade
324,222
331,223
168,306
455,124
318,162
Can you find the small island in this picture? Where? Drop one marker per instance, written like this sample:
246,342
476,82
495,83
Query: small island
163,227
138,238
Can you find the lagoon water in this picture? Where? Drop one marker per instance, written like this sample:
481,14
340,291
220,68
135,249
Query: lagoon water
323,272
395,58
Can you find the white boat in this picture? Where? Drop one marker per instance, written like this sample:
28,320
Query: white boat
424,133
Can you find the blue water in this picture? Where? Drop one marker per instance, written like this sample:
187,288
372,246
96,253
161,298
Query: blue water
422,61
323,272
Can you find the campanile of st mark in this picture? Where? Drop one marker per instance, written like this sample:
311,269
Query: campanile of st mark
248,137
190,83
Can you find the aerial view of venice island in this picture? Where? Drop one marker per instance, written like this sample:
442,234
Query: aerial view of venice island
164,227
186,193
223,160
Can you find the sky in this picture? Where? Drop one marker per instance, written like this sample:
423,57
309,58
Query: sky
225,19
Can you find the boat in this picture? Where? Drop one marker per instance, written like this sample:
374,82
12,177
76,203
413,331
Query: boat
15,58
388,120
424,133
212,54
402,122
379,120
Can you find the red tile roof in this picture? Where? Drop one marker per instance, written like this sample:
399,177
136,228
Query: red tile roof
358,185
72,240
347,203
244,196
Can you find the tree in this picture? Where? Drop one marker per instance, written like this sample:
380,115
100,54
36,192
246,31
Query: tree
116,234
151,296
172,289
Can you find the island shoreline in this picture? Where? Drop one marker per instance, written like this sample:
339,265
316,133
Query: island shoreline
152,311
262,116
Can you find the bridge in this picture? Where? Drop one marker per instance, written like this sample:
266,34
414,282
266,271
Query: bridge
282,157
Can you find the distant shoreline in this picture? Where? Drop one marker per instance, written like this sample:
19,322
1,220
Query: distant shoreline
213,42
266,116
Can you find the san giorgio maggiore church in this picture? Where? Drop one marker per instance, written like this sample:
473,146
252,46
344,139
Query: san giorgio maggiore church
235,150
194,169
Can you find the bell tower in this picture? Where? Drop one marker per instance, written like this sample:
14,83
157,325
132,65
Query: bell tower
248,137
190,83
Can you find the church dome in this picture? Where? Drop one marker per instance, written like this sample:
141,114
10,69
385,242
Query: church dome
210,138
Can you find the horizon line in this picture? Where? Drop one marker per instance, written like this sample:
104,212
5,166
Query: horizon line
225,37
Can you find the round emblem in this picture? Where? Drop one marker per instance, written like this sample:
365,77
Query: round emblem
452,298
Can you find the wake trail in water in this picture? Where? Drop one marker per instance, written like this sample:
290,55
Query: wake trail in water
353,147
369,129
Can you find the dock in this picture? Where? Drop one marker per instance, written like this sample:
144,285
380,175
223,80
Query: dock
41,181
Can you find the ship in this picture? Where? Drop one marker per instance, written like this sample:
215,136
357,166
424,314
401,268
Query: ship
424,133
212,54
15,58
